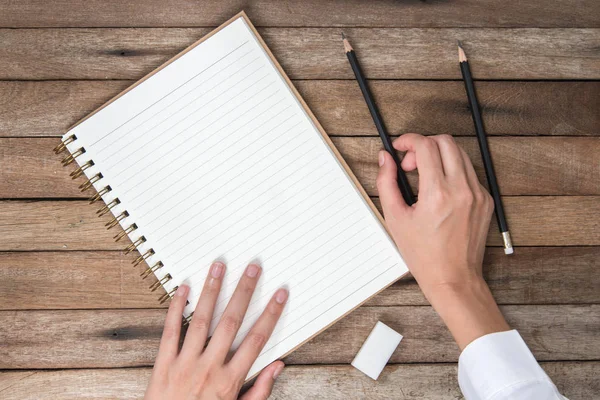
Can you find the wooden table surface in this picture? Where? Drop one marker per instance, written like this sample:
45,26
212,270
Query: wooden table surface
77,322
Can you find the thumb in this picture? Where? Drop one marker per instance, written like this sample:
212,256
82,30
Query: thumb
392,202
261,390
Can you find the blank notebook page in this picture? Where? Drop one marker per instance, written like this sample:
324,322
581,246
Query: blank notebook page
215,158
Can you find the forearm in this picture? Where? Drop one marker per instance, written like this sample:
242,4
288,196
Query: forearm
469,310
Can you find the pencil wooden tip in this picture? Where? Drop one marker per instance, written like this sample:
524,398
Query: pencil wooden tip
462,57
347,47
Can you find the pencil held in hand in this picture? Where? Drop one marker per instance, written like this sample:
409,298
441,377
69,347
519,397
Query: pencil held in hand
403,184
484,148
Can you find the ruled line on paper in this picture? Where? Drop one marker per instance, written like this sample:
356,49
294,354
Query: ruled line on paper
193,113
306,306
241,240
306,323
157,101
217,154
290,266
275,233
306,152
190,149
239,228
172,136
307,261
124,135
225,183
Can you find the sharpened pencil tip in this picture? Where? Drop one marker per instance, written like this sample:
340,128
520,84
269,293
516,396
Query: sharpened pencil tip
462,57
347,47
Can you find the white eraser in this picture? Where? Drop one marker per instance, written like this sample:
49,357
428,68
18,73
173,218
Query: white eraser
377,350
508,250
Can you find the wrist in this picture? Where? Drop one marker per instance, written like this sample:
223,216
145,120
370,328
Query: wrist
468,309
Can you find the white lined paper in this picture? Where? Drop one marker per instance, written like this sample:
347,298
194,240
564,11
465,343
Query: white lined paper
214,157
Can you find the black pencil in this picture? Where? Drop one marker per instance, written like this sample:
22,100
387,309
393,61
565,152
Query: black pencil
403,184
483,147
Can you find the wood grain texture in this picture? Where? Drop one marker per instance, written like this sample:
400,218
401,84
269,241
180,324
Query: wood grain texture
129,338
547,221
434,107
49,108
105,279
73,225
310,53
524,166
533,275
577,380
382,13
73,280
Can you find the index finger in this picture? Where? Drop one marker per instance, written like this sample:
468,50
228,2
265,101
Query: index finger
427,155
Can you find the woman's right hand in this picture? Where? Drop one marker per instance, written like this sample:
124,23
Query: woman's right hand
442,236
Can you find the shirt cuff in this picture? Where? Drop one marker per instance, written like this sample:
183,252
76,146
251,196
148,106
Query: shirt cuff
498,362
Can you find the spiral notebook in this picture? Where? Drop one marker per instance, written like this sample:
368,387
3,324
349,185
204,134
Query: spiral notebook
214,156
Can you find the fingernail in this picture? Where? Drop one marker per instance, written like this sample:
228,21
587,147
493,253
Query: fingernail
182,291
381,158
281,296
278,370
216,270
252,270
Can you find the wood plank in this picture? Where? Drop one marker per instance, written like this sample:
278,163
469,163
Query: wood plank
524,166
129,338
105,279
534,275
73,225
73,280
382,13
49,108
548,331
577,380
433,107
310,53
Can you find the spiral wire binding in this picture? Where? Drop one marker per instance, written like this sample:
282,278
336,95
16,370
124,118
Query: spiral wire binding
116,220
99,195
187,319
133,246
168,295
79,171
90,182
151,269
71,157
125,232
141,258
161,282
63,144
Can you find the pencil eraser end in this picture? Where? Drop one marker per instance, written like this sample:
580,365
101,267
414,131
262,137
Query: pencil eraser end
376,350
508,247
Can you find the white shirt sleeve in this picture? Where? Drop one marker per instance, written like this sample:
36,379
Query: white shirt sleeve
500,366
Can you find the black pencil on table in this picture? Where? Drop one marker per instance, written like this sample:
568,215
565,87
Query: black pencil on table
485,151
403,184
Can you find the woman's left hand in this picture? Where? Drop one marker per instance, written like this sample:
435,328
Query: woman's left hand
204,372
